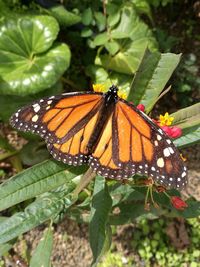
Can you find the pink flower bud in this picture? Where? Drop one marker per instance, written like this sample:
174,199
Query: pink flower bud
175,132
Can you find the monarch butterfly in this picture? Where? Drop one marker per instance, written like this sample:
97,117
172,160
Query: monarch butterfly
107,132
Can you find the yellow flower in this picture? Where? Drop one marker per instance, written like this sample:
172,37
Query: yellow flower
165,120
99,88
122,95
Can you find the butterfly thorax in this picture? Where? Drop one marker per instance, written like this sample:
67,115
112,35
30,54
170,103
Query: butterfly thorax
110,99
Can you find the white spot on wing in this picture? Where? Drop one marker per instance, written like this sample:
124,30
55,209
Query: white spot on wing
156,143
159,137
166,152
35,118
160,162
36,108
183,174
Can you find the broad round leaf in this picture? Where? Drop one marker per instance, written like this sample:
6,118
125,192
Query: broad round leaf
29,61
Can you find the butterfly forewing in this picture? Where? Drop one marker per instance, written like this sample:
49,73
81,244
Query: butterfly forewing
57,118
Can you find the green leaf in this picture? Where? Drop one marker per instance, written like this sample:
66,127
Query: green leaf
42,254
86,32
190,137
87,16
5,145
34,181
128,212
9,150
4,248
64,17
151,78
33,153
98,74
187,117
11,103
29,61
113,14
101,39
189,120
100,20
142,6
101,206
131,26
192,211
4,10
112,47
44,208
127,59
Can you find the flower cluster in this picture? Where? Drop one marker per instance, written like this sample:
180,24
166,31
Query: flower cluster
164,122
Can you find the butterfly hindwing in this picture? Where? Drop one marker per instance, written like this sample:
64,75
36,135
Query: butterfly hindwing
74,151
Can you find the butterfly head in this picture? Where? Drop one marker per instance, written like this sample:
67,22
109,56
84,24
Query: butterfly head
113,89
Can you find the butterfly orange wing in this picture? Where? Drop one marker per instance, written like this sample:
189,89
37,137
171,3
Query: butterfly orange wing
56,118
131,143
74,151
66,123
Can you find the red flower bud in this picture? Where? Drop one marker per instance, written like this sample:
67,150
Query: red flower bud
178,203
172,131
175,132
141,107
167,130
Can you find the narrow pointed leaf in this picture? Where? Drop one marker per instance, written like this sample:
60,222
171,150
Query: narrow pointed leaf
101,206
34,181
4,248
42,254
190,137
151,78
187,117
44,208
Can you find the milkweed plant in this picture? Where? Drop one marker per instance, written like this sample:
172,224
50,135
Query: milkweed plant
119,48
